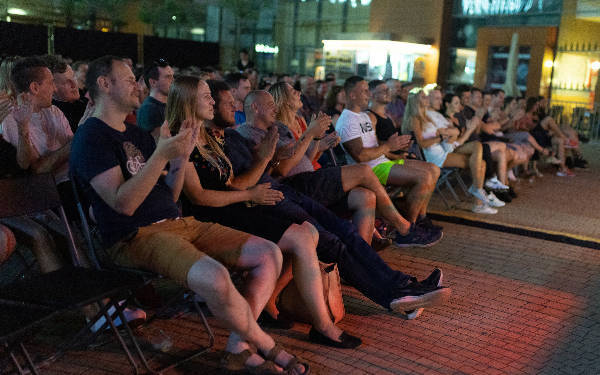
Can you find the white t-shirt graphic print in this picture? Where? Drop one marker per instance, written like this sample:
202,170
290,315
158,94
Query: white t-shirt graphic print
352,125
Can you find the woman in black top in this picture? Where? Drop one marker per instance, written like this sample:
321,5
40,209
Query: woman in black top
209,196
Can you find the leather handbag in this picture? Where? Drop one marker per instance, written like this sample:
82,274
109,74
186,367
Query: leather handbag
291,305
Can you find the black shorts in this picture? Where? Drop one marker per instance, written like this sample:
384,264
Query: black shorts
323,185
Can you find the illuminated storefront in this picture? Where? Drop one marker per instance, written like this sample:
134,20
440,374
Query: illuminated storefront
376,59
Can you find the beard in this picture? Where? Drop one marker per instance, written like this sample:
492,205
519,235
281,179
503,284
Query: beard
220,122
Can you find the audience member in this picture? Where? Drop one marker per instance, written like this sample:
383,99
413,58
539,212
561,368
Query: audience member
339,241
360,142
158,77
66,93
121,171
206,188
240,87
244,62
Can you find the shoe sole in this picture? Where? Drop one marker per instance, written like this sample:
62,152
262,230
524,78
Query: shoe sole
409,303
403,245
414,314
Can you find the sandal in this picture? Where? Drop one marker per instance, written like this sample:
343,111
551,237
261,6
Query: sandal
292,366
235,363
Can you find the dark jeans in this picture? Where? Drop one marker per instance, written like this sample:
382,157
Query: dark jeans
339,242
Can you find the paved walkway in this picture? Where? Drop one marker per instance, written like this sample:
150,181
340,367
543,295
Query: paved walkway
520,305
560,205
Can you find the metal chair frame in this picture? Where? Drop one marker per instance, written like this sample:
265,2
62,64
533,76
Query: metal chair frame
46,293
149,276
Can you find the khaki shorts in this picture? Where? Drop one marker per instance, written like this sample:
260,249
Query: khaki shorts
171,247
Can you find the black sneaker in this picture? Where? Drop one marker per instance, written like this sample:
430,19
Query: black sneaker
434,279
416,295
503,195
426,223
512,193
418,237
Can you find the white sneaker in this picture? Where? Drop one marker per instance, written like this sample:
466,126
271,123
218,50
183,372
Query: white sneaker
478,193
133,316
495,184
484,209
493,200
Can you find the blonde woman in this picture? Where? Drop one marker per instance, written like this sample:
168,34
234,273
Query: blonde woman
210,197
439,144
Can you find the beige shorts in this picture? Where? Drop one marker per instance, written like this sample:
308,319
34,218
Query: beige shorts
171,247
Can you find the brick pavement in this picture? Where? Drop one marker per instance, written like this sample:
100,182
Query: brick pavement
519,306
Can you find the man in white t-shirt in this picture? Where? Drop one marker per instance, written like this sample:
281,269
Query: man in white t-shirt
38,129
360,142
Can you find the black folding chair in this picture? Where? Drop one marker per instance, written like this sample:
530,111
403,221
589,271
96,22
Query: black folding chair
28,302
102,261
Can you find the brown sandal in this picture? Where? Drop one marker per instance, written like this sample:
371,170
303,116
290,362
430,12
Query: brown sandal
292,366
235,363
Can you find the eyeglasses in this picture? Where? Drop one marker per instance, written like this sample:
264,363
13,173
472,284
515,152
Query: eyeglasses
161,62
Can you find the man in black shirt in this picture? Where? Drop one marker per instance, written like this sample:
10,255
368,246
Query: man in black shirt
66,93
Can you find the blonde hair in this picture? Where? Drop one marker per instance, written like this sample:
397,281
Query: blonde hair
6,85
283,101
414,114
181,105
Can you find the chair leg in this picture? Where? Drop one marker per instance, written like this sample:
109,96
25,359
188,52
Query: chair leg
28,359
439,191
449,185
462,184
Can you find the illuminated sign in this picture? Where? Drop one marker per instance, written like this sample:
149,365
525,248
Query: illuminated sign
266,48
500,7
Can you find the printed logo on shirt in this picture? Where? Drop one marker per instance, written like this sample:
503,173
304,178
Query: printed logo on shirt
135,159
366,127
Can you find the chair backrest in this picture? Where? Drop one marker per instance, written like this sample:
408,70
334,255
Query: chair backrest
27,195
31,194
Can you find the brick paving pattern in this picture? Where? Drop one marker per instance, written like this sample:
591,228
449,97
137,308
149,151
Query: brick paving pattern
519,306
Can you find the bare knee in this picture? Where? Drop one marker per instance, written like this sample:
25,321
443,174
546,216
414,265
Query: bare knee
209,278
298,235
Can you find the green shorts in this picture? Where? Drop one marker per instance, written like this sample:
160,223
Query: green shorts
382,171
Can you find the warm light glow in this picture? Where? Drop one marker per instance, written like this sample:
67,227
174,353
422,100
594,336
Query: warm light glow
548,64
104,29
16,11
352,45
197,31
595,66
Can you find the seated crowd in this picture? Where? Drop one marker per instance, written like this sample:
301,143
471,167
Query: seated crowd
191,176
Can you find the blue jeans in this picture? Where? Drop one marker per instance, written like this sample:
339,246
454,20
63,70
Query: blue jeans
339,242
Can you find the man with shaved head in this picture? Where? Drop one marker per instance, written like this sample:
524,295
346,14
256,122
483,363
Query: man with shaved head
252,160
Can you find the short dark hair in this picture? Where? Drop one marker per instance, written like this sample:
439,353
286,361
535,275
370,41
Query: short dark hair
495,92
374,83
102,66
55,64
476,89
351,82
531,102
27,70
461,89
151,70
233,79
508,100
217,86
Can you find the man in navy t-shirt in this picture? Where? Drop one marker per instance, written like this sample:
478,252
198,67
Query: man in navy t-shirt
122,173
